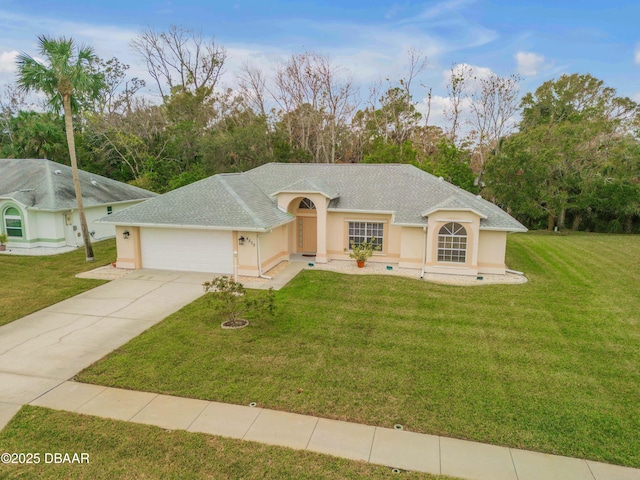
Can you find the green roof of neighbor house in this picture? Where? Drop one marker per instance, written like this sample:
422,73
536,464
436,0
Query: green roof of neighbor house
249,200
42,184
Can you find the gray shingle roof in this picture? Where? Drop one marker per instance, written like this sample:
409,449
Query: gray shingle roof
248,200
228,201
403,189
46,185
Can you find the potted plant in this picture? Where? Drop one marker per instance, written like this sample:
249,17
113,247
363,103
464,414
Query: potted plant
3,240
362,252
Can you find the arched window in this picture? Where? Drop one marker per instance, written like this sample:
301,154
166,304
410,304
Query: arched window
452,243
13,223
306,204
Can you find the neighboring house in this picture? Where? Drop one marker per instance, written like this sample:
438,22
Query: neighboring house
276,210
38,205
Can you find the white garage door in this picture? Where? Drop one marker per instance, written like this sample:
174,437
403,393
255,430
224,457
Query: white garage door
187,250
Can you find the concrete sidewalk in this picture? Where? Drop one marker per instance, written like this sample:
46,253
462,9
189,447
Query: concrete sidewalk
393,448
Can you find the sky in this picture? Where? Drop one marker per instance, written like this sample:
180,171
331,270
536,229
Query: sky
536,39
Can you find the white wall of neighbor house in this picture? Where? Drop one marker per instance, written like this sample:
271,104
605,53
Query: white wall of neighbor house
43,228
100,231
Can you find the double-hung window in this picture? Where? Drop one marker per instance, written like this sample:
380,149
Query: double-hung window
360,232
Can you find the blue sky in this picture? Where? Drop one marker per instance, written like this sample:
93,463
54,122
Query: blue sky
538,39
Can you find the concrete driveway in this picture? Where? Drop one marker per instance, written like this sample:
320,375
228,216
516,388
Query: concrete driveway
44,349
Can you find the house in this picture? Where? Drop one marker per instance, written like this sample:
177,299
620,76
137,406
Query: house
38,205
272,212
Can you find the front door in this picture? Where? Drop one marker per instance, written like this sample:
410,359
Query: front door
307,234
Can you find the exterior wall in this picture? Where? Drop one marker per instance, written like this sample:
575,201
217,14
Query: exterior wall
492,247
273,250
100,231
290,202
471,222
412,247
43,228
39,228
129,252
338,236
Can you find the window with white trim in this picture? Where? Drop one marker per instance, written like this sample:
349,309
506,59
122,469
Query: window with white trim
452,243
360,232
13,223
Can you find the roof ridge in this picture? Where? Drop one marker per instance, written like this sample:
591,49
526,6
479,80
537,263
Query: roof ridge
50,188
241,202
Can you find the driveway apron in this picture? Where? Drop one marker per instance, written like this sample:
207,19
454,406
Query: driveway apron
42,350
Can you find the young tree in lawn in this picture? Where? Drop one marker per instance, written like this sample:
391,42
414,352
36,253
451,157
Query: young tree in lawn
67,78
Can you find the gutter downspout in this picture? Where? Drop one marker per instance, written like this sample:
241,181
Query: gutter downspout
260,275
424,252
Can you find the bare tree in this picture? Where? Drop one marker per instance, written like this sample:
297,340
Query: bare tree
494,105
180,57
315,101
253,85
390,109
484,103
456,89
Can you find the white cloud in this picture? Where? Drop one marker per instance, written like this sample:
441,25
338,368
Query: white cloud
529,63
637,56
472,75
8,61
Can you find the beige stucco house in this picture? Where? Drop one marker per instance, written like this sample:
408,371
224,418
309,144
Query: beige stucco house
248,222
38,205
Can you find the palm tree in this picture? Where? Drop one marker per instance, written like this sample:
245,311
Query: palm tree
68,80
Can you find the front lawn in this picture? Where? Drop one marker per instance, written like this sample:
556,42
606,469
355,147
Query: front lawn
551,365
126,450
31,283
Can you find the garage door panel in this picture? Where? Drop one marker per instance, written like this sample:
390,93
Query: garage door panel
187,250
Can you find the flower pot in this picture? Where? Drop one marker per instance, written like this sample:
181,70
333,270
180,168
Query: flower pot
360,263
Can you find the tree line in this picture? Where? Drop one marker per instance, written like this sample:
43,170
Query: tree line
566,155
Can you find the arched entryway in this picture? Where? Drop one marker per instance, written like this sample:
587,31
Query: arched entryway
306,238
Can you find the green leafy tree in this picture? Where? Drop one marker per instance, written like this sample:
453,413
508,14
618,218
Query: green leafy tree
574,145
67,78
451,162
34,135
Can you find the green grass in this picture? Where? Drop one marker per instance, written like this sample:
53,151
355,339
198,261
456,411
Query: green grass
125,450
31,283
551,365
